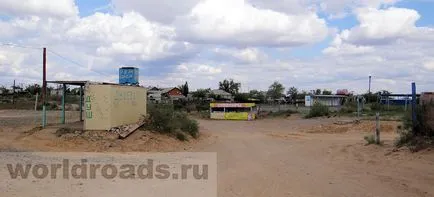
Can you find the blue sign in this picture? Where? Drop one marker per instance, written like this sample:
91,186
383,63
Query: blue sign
129,76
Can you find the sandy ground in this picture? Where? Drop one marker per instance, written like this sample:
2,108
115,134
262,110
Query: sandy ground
272,157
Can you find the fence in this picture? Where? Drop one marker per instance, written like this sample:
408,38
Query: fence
26,109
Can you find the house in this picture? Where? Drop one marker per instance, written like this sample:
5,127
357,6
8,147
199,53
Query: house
173,94
327,100
218,94
164,94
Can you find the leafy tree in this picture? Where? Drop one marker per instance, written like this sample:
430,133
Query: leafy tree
301,94
384,92
201,93
317,92
327,92
33,89
275,90
255,94
241,97
293,92
229,86
4,90
184,89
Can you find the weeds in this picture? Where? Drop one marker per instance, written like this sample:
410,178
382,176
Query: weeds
318,110
370,139
164,119
416,136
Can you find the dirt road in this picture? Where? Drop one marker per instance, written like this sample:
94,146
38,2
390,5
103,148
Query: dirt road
273,158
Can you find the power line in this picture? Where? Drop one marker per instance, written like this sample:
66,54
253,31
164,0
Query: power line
76,63
20,46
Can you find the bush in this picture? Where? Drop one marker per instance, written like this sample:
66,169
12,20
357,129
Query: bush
162,118
181,136
418,136
370,139
349,107
318,110
191,127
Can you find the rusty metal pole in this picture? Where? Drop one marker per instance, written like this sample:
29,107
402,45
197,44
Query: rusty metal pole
44,76
44,87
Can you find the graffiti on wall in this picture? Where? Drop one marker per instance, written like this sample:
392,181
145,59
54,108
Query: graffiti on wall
125,96
88,104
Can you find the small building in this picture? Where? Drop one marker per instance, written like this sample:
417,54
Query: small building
172,94
158,95
327,100
110,105
233,111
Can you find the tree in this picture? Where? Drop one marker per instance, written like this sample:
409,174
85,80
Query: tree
384,92
327,92
317,92
255,94
201,93
275,90
33,89
184,89
293,92
4,90
241,97
229,86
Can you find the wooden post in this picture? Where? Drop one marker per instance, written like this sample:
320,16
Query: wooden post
377,128
36,101
413,106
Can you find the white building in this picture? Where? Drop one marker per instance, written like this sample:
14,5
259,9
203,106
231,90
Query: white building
327,100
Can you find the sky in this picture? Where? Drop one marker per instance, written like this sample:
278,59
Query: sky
309,44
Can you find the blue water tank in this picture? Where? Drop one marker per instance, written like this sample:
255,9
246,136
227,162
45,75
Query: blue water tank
129,76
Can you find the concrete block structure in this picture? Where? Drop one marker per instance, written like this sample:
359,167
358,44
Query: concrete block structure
110,105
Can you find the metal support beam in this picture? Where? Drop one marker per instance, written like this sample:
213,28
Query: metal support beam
63,104
81,103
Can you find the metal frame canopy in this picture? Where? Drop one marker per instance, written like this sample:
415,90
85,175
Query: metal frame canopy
64,83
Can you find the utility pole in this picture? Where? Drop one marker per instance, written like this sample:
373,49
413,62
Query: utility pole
13,93
44,87
369,90
44,79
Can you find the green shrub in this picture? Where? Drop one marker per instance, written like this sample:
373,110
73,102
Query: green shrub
418,136
161,118
318,110
370,139
191,127
181,136
164,119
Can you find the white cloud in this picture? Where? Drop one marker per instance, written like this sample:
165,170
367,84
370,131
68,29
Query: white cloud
236,22
246,55
164,11
429,65
57,8
382,25
128,35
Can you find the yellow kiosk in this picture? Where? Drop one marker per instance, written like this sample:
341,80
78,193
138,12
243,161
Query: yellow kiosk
233,111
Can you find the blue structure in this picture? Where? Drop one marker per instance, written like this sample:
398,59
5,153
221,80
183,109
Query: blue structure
398,99
129,76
